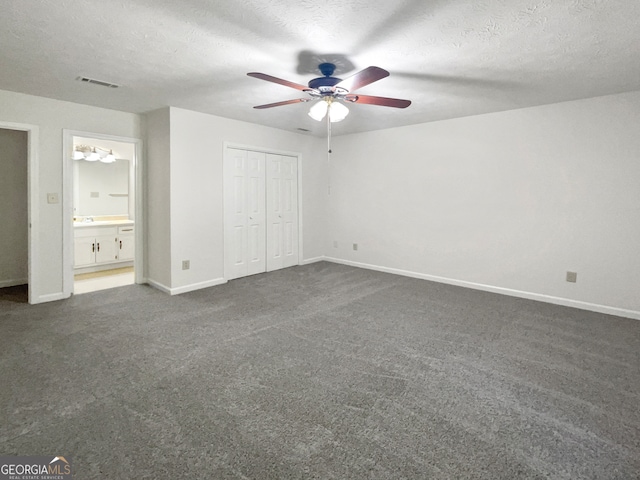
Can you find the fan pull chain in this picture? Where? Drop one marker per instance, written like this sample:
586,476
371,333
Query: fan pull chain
329,131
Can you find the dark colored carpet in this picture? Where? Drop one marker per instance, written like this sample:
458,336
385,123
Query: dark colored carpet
322,371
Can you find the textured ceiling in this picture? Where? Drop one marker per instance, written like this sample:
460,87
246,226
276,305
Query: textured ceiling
452,58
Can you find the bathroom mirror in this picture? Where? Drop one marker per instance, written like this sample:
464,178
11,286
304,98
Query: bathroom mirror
101,188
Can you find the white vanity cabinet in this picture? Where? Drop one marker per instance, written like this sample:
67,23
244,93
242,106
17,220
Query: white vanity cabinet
102,244
126,244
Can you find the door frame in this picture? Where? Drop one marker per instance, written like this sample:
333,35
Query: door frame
33,193
67,204
253,148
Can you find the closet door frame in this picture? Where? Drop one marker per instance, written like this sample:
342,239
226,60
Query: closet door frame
254,148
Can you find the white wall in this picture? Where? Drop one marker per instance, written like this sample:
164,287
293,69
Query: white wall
507,201
158,205
13,208
52,116
196,192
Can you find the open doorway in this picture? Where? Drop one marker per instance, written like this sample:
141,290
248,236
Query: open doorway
14,211
105,209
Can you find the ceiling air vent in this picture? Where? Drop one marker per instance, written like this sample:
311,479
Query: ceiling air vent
98,82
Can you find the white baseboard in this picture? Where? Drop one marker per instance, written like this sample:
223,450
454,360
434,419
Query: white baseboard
50,297
159,286
308,261
620,312
12,282
186,288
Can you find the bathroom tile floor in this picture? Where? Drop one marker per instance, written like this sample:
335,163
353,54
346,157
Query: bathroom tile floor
93,282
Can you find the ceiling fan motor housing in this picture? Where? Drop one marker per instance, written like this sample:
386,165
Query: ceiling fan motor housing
325,84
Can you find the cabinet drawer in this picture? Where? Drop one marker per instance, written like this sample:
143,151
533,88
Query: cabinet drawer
125,230
94,231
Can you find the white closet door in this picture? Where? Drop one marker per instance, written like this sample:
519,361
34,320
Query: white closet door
256,262
282,211
244,213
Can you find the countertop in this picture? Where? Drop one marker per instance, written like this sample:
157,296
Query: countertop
100,223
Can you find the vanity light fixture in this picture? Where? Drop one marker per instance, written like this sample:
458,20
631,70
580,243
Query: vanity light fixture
93,154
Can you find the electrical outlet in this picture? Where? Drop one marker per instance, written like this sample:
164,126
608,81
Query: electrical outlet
572,277
186,264
335,244
355,246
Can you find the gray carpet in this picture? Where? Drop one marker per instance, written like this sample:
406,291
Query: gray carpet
322,371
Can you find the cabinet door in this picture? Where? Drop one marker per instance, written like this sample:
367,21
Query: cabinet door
84,251
106,250
126,247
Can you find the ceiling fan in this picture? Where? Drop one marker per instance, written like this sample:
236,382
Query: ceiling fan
331,93
330,89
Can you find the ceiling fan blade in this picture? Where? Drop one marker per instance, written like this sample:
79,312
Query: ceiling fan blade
383,101
286,83
286,102
363,78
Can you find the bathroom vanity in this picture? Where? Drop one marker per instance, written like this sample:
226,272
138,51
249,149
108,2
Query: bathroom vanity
100,243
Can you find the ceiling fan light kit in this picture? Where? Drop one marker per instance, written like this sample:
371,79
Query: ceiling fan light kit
337,111
329,92
318,110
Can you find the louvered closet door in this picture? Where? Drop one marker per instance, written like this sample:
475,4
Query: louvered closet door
244,195
282,211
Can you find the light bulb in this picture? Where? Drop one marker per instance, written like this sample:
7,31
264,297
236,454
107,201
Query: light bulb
93,156
110,158
318,110
337,112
